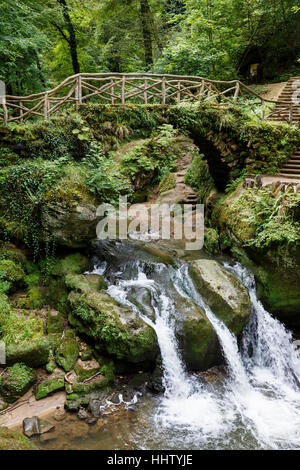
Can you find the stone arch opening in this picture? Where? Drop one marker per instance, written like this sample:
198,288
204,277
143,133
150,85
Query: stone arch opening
218,168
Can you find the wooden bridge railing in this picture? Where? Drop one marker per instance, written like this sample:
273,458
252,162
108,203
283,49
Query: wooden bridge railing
116,88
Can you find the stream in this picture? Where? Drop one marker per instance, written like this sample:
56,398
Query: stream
256,405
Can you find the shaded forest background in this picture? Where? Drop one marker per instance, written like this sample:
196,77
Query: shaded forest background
44,41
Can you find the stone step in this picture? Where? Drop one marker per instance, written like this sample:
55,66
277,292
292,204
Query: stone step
294,166
289,175
291,171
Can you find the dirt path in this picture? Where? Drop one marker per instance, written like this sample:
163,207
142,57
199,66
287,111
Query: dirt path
272,91
28,406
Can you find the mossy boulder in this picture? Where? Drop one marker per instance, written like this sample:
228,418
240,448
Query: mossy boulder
72,225
11,440
86,369
96,280
223,292
12,273
66,353
115,329
197,338
32,352
74,263
16,381
53,384
80,387
55,322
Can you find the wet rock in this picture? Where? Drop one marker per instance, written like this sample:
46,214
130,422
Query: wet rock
96,280
59,414
223,292
72,226
91,421
141,297
31,426
82,414
45,426
35,426
115,329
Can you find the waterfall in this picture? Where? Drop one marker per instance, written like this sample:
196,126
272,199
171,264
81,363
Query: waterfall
258,404
267,345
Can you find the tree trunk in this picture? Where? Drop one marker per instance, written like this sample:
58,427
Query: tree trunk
146,30
72,36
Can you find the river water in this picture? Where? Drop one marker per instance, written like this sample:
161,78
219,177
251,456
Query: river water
256,406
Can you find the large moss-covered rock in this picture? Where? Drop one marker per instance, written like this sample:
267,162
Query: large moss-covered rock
115,329
197,338
32,352
55,322
74,263
67,353
72,226
223,292
16,381
11,440
53,384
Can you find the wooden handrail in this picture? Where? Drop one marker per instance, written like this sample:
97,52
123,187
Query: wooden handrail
121,88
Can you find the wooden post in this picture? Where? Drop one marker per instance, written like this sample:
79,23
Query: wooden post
79,91
163,90
5,113
237,92
179,93
112,91
46,106
123,90
21,111
145,92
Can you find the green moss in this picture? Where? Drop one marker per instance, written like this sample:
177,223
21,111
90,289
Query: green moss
67,353
72,264
211,241
16,381
167,183
50,366
36,297
10,271
55,322
53,384
11,440
115,329
198,176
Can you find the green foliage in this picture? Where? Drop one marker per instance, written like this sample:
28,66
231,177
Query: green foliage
149,162
198,176
16,381
104,178
275,218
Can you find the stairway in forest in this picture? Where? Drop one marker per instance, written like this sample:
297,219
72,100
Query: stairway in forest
291,168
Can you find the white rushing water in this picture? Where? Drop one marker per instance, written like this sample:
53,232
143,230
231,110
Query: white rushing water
258,406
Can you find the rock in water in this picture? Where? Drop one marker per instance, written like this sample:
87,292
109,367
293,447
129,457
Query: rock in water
115,329
223,292
31,426
35,426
